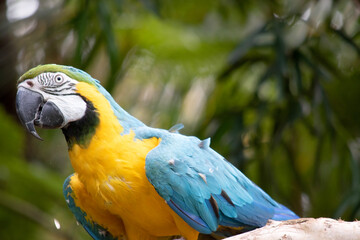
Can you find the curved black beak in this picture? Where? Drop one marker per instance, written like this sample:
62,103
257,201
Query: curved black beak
33,110
28,104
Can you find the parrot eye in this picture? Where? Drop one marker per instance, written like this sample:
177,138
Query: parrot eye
59,78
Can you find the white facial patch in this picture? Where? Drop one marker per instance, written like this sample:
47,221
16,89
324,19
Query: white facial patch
71,106
61,90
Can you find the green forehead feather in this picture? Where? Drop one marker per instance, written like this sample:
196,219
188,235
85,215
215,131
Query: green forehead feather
72,72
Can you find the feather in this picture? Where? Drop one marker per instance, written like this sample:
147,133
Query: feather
176,128
210,187
215,206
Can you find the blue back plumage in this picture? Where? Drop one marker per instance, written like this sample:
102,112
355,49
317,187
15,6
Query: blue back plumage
203,188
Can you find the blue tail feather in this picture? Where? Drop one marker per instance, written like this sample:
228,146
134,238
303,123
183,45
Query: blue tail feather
282,213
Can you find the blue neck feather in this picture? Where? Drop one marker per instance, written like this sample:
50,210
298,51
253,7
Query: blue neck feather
126,120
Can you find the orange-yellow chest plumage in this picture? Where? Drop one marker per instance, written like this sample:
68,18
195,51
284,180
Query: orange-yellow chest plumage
111,172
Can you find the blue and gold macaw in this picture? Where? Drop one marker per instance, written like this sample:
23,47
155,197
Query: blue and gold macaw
132,181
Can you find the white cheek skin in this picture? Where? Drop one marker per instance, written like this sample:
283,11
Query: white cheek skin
72,107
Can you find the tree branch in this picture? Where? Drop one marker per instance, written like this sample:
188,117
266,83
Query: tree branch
304,228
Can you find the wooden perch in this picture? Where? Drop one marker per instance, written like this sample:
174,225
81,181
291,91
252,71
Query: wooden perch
304,228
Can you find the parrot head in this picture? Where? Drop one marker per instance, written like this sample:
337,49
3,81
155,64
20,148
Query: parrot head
47,97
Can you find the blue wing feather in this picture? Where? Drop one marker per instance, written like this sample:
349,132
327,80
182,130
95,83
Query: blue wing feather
186,172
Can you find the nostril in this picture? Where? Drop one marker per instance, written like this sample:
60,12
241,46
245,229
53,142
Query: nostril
30,83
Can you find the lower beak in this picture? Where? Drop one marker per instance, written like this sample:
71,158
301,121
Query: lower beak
33,110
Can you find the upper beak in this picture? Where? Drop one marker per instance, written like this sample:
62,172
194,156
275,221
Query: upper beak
33,110
28,104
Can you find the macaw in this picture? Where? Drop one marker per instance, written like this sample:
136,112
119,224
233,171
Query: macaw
132,181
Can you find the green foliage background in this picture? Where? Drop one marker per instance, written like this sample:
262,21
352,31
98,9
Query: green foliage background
275,84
